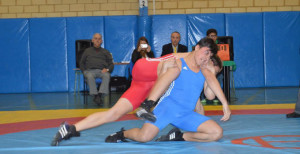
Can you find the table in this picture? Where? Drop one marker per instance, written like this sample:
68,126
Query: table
226,79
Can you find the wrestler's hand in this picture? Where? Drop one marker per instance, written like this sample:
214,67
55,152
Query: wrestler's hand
227,113
170,63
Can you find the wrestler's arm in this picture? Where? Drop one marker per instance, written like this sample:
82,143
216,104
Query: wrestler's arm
165,65
170,63
209,94
163,82
180,54
216,88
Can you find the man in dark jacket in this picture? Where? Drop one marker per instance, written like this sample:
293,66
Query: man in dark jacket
174,47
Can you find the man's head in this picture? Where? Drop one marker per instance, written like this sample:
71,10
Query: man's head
204,49
212,33
97,40
175,38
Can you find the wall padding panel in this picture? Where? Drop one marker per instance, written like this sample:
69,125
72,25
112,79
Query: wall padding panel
198,24
247,32
282,48
48,54
144,27
121,37
14,56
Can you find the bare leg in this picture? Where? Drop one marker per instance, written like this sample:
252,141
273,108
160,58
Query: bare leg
207,132
122,107
144,134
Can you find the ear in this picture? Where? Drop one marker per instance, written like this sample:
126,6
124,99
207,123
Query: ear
197,47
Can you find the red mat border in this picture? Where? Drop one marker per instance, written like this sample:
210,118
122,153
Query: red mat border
43,124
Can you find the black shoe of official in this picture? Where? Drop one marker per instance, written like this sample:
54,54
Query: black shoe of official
293,115
116,137
174,135
98,99
144,112
65,132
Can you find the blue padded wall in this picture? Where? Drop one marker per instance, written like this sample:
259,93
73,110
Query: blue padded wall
198,24
247,32
14,59
38,54
163,26
282,48
144,27
48,54
121,37
79,28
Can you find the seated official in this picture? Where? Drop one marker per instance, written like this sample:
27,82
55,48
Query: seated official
174,46
97,62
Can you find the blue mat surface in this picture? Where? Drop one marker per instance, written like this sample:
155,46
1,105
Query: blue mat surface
258,133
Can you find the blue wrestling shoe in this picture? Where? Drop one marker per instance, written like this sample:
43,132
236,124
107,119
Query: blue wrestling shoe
65,132
174,135
144,112
116,137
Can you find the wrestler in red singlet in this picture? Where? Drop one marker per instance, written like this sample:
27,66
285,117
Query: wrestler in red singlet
144,75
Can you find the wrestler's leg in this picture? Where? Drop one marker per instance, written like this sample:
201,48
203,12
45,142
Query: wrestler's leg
122,107
144,134
206,132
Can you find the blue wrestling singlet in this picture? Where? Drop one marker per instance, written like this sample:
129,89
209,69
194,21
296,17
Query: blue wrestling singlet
177,105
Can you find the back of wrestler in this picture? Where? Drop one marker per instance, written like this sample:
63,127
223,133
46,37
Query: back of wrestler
144,75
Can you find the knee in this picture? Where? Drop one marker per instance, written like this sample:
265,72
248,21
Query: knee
144,138
217,134
106,75
89,75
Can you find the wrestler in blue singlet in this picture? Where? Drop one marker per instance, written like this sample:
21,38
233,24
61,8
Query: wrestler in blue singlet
177,105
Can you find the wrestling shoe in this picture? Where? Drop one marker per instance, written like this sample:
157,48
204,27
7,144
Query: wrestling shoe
65,132
174,135
116,137
144,112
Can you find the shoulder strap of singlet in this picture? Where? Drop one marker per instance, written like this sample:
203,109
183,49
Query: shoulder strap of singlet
165,57
183,63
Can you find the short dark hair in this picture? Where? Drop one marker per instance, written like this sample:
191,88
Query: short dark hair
211,31
217,61
176,32
210,43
